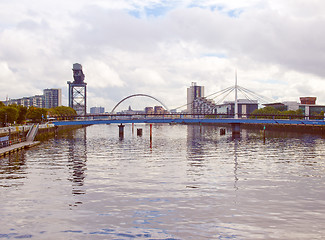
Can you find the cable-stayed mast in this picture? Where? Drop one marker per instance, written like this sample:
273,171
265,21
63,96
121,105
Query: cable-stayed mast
236,98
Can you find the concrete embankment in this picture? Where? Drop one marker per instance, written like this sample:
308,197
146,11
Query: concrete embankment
310,129
46,133
293,128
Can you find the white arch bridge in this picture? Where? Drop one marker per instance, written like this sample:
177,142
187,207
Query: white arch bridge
139,95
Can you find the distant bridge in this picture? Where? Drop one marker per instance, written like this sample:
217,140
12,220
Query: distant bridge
139,95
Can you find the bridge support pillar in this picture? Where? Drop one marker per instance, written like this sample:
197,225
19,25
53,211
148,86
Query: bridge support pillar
121,131
139,132
150,135
235,129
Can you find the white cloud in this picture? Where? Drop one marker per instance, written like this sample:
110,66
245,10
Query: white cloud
160,47
101,75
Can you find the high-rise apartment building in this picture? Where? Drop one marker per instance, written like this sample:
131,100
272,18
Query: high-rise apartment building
52,97
193,92
37,101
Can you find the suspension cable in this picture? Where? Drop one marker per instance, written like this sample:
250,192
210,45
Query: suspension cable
220,93
264,99
225,96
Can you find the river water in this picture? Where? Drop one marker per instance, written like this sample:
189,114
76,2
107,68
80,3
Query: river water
191,183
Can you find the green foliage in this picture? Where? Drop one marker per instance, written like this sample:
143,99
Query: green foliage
318,116
22,111
62,111
8,114
36,114
12,113
270,112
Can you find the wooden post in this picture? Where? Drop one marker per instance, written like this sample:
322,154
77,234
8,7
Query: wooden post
9,136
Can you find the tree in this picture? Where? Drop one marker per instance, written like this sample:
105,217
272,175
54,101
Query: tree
266,112
62,111
270,112
2,104
8,114
22,112
36,114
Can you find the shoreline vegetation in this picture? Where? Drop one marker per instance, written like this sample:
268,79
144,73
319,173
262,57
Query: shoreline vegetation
15,114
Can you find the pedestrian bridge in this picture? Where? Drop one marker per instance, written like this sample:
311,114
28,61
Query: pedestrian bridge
181,119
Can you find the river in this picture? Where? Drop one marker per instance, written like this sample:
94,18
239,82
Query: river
191,183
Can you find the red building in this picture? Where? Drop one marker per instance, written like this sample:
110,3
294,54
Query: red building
308,100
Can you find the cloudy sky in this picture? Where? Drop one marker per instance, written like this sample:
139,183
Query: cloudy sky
159,47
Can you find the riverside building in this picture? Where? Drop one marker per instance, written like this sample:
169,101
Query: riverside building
50,98
193,92
307,105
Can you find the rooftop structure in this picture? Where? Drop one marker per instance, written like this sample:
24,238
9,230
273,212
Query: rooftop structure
308,100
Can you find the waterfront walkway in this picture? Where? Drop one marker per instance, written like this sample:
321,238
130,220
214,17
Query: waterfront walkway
16,147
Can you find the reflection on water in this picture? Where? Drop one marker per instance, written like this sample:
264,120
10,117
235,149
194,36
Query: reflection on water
189,183
12,167
77,158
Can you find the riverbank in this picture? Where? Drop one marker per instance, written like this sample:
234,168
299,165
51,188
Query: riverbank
310,129
306,129
17,137
44,134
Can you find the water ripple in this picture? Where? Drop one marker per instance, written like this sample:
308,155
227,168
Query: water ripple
189,183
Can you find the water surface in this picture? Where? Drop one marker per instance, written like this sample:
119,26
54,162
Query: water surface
191,183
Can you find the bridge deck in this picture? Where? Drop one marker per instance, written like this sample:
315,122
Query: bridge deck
191,120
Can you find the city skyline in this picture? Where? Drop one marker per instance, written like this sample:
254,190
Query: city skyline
160,47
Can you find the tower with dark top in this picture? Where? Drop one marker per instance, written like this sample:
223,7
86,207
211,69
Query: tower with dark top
78,91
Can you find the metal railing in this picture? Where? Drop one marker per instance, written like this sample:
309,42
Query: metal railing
16,134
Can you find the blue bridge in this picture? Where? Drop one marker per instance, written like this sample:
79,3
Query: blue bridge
183,119
189,118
